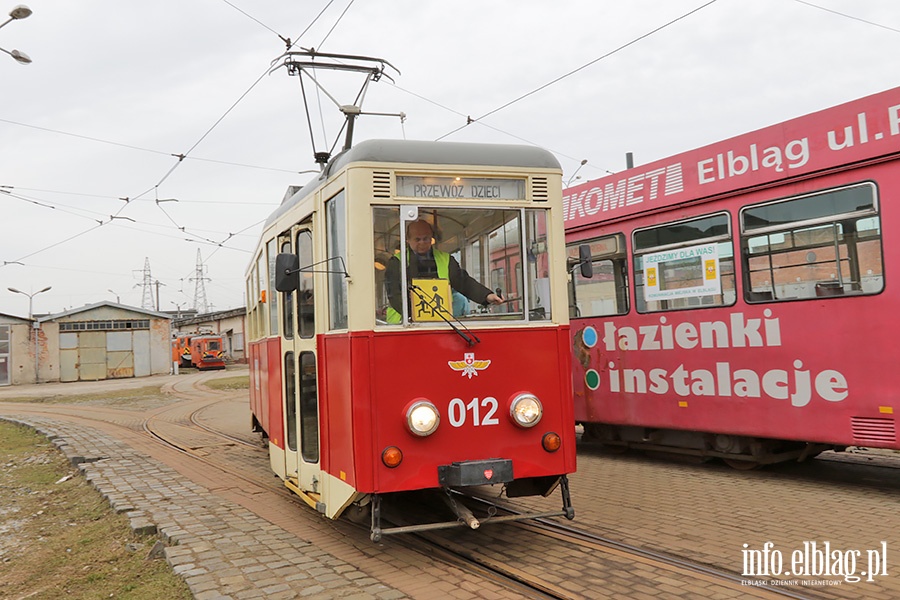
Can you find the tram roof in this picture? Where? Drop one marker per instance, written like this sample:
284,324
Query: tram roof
450,153
427,152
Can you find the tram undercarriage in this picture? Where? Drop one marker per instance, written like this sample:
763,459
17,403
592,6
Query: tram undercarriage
453,500
739,452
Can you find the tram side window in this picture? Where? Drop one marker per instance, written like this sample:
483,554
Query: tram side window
538,265
309,409
817,245
336,247
306,307
606,292
271,295
684,264
290,401
287,323
386,230
251,328
260,299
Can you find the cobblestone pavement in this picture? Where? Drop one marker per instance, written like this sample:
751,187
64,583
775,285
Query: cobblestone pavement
234,543
228,540
222,550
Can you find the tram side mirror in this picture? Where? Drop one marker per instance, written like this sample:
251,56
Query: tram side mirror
287,272
584,259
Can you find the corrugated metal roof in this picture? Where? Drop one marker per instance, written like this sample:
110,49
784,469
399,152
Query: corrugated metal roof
96,305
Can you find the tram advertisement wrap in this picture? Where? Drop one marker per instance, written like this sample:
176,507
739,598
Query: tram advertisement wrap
855,131
724,379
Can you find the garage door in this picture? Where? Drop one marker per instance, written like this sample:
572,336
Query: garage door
91,355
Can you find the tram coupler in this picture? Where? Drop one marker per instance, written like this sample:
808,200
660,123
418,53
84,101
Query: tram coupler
462,512
375,531
567,499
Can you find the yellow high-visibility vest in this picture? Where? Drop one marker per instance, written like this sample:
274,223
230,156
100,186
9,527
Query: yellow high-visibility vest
441,259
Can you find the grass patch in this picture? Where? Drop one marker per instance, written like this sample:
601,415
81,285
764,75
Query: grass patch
238,382
120,396
60,539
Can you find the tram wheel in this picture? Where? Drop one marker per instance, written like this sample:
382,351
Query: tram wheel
361,515
742,465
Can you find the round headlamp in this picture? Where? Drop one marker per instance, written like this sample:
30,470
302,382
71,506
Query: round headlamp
526,410
423,418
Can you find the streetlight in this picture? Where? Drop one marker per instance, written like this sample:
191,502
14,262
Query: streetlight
30,297
573,177
34,325
19,12
114,294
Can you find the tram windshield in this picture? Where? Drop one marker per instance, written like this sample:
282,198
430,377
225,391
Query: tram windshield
455,257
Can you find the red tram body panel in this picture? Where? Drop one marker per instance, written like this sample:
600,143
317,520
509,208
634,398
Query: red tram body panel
376,391
265,388
785,345
366,378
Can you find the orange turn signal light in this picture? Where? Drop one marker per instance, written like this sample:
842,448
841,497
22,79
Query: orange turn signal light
551,441
391,456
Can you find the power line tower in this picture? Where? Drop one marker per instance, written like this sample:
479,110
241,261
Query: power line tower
200,303
146,285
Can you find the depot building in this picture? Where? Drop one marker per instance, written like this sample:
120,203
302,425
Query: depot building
97,341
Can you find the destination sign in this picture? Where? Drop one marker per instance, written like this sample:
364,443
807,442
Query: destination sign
467,188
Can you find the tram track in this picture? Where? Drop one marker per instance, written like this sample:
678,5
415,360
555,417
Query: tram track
592,541
176,426
589,546
491,567
503,575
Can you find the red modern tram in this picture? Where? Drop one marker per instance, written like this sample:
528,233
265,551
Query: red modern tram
741,303
363,395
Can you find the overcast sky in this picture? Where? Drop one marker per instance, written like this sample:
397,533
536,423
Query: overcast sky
117,88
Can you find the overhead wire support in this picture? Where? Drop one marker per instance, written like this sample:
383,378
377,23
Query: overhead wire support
306,61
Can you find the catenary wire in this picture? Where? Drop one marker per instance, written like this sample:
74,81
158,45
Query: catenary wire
873,23
470,120
252,18
181,157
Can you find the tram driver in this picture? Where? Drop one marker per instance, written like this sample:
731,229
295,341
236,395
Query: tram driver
426,261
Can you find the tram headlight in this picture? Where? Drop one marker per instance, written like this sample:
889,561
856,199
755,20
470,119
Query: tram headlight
526,410
423,418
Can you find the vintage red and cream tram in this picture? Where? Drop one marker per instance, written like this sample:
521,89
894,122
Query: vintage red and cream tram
741,303
360,401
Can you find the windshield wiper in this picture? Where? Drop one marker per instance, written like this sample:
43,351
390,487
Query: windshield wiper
439,310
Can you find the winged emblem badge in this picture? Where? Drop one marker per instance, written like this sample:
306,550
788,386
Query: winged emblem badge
469,367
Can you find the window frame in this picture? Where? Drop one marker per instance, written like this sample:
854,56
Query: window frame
637,283
822,289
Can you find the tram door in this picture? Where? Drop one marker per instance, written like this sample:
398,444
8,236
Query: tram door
301,394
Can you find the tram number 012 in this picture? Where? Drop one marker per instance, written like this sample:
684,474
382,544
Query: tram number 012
481,411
